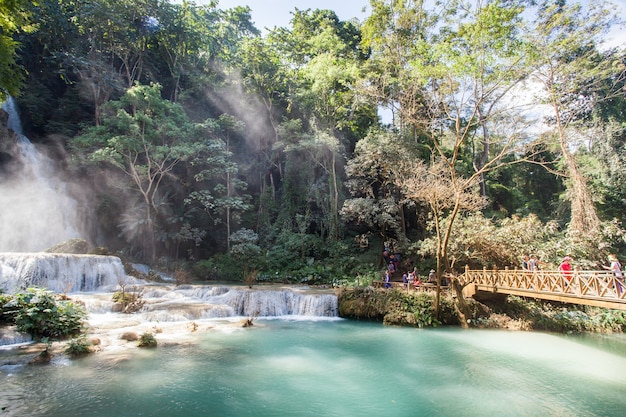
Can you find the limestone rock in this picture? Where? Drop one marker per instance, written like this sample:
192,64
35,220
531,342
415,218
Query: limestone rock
74,246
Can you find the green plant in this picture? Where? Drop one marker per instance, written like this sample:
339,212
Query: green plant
78,346
131,301
39,312
147,340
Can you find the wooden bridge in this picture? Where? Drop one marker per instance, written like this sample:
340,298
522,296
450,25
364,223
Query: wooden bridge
594,288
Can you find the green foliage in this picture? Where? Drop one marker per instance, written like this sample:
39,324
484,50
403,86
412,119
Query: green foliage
16,17
147,340
244,246
399,307
415,308
563,318
7,309
311,94
42,314
78,346
478,241
131,300
220,267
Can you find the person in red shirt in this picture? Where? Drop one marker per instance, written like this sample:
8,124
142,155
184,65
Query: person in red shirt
566,267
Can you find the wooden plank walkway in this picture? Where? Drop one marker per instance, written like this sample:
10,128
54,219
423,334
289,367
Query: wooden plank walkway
595,288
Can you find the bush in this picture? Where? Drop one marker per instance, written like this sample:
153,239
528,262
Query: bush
38,312
78,347
147,340
130,301
562,318
7,309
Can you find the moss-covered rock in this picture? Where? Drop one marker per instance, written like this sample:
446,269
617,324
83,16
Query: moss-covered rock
396,307
74,246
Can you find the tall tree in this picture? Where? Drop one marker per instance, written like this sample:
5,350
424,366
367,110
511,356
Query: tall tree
571,72
325,56
146,137
375,195
220,192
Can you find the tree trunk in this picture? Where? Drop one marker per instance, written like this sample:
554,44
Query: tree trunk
460,305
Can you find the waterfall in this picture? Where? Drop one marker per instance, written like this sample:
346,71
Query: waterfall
37,211
61,273
193,302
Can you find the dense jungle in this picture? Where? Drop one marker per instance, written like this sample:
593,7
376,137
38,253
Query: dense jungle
453,133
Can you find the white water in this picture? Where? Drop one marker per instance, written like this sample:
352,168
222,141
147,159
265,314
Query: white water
37,209
200,302
61,273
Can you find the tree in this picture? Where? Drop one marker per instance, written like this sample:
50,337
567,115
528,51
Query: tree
246,250
374,187
146,137
220,190
571,72
448,78
15,17
325,56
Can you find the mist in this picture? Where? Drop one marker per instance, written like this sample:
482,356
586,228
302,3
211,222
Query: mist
37,210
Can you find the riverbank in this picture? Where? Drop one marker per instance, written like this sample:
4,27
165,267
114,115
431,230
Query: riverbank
416,309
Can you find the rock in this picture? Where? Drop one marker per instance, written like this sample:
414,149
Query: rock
74,246
129,336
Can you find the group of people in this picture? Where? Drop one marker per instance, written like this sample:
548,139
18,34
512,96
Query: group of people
409,277
530,263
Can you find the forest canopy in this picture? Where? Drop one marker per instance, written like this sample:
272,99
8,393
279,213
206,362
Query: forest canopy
204,142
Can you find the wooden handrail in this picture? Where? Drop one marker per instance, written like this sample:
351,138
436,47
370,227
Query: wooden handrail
584,285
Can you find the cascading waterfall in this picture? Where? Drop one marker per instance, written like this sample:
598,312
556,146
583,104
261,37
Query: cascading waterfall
61,273
73,274
202,302
37,210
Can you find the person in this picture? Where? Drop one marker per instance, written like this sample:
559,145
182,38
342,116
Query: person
615,267
432,277
526,263
405,280
533,263
388,279
392,267
566,267
416,280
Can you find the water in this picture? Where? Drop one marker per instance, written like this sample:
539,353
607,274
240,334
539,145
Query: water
334,368
38,210
61,273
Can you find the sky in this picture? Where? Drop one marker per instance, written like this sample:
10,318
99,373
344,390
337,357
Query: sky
271,13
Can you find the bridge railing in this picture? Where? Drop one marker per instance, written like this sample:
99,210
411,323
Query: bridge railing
582,284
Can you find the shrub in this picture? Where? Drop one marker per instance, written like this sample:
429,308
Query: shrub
78,346
411,308
147,340
562,318
130,301
41,314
